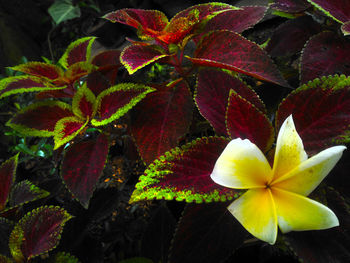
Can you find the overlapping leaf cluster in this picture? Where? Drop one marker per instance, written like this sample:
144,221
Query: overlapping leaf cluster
203,45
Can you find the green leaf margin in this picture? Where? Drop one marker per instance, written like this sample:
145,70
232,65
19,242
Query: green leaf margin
58,138
159,169
9,80
121,111
34,132
90,97
63,61
17,234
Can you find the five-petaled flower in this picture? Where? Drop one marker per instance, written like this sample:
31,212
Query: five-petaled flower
277,196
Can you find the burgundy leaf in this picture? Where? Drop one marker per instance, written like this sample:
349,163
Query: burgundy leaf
135,57
204,10
327,104
7,177
184,174
40,69
325,54
161,119
290,37
40,231
67,92
97,82
66,129
236,20
212,93
138,18
340,9
108,63
77,51
106,58
290,6
244,120
25,192
39,119
232,51
21,84
116,101
82,167
156,239
206,233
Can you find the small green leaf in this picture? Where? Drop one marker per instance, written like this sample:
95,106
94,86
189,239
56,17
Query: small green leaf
63,10
62,257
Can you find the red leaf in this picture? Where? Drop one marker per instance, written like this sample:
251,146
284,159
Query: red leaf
25,192
205,10
40,69
206,227
7,177
327,104
39,119
108,63
78,70
97,82
40,230
21,84
229,50
77,51
184,174
106,58
325,54
67,129
212,93
290,37
236,20
147,20
116,101
83,103
339,10
290,6
82,167
135,57
245,121
161,119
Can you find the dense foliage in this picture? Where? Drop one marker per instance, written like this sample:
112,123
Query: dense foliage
120,143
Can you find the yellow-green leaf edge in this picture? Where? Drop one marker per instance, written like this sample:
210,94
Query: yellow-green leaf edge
34,132
123,110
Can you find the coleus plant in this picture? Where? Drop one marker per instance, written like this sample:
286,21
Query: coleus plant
164,116
183,173
35,233
94,103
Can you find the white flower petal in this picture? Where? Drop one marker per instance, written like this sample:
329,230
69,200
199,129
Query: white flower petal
242,165
310,173
289,149
299,213
255,210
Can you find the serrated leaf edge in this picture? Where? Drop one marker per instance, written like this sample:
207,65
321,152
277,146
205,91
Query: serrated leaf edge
34,132
148,178
124,109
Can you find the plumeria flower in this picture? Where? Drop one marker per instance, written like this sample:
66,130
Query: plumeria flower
277,196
